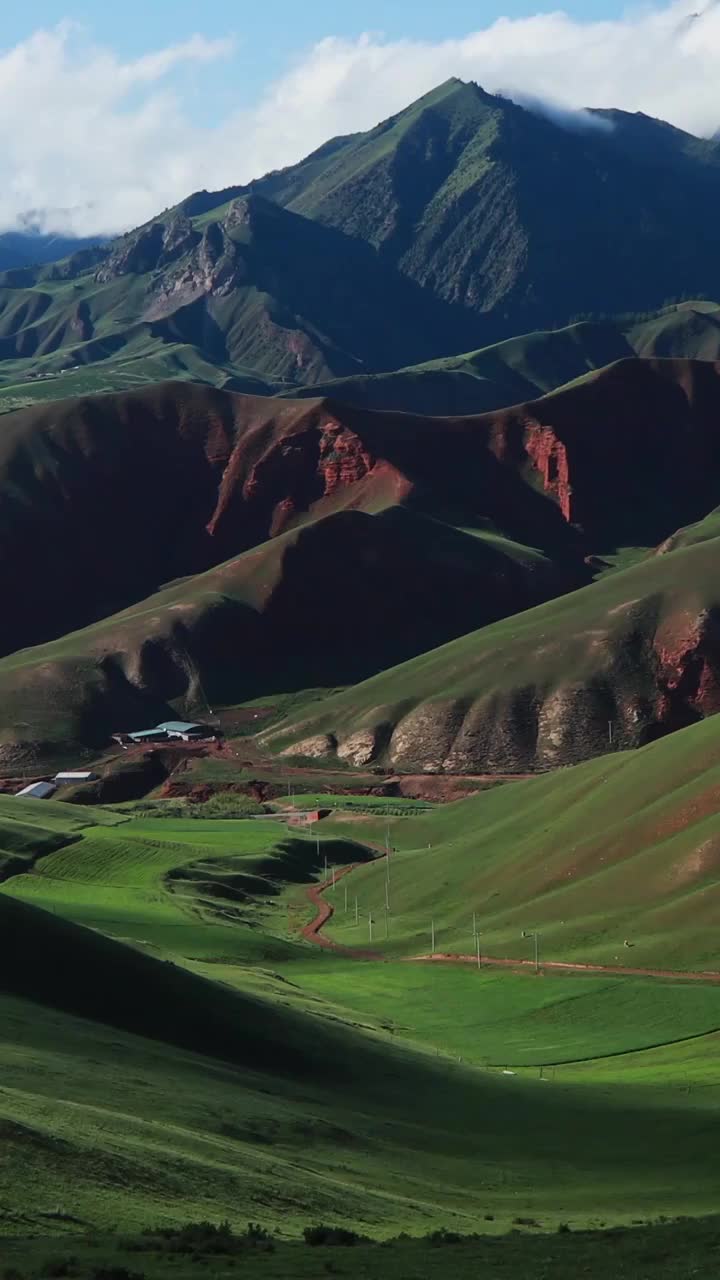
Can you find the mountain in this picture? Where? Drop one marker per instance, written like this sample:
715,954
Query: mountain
532,364
365,514
306,543
514,217
251,289
25,248
460,222
627,659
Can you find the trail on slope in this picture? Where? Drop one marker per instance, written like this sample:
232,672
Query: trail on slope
325,910
313,932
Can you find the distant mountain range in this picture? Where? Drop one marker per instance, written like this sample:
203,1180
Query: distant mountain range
367,466
28,248
460,222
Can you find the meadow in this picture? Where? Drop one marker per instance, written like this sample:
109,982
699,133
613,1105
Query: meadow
172,1049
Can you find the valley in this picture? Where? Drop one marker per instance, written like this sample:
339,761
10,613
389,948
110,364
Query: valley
359,734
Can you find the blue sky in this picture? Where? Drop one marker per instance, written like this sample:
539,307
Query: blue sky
110,112
271,33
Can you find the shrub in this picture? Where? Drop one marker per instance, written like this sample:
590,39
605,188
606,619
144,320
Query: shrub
198,1238
226,804
322,1234
563,1228
194,1238
442,1237
258,1238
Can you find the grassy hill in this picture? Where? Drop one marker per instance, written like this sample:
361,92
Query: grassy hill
216,1087
223,635
310,519
630,658
532,364
623,847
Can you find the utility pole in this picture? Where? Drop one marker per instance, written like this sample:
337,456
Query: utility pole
533,933
333,878
474,924
387,927
370,922
610,732
387,896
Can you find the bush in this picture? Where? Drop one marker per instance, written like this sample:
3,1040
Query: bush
198,1238
322,1234
194,1238
226,804
442,1237
563,1228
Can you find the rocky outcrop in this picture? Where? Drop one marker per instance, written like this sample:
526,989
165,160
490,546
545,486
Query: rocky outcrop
549,457
314,748
359,748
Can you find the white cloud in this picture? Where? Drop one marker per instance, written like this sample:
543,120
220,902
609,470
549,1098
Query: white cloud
112,142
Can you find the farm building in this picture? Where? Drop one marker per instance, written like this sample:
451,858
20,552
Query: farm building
183,730
38,791
73,777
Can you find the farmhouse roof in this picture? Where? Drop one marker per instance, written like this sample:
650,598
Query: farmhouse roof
178,726
37,790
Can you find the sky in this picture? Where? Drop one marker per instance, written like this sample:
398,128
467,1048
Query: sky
110,113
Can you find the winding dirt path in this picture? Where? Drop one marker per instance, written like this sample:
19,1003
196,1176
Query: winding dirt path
313,932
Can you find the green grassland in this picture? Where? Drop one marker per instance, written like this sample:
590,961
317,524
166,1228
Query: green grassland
116,880
624,847
256,1077
516,1019
653,1252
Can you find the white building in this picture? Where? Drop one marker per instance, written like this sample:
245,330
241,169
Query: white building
73,777
37,791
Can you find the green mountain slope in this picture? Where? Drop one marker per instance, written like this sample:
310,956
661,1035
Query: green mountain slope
258,288
629,658
223,635
449,191
419,239
533,364
625,847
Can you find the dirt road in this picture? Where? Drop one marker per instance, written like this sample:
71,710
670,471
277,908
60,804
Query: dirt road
325,910
313,932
